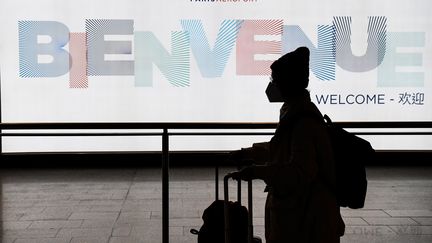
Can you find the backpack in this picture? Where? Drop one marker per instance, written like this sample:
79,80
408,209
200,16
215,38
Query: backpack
213,228
350,154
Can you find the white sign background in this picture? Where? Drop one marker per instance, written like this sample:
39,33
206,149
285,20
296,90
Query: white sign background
228,98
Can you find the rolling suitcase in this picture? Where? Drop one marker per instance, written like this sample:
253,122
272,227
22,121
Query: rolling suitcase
239,219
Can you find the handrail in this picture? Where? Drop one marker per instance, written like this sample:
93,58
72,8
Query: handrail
197,125
130,134
193,126
137,125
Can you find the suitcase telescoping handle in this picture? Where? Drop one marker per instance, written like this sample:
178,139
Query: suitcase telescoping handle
226,211
217,186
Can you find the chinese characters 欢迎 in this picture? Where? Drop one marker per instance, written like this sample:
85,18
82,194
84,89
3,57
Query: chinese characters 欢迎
411,98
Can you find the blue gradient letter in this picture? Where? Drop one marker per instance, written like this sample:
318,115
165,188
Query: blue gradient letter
30,49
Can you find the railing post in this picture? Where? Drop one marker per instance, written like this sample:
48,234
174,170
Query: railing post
217,183
165,186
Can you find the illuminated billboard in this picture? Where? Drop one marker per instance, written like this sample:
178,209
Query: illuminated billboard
191,60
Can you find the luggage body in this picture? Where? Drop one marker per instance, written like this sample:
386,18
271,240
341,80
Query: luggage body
230,236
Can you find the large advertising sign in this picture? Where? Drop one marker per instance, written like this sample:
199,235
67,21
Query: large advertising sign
208,60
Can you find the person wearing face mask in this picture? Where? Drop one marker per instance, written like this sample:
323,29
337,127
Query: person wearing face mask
297,165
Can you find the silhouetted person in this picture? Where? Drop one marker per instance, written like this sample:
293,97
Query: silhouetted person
297,164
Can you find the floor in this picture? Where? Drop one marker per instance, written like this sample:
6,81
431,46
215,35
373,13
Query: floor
124,205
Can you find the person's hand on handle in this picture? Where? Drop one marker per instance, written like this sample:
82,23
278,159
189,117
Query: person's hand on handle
239,158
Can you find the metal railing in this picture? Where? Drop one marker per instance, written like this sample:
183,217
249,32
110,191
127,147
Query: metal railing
31,130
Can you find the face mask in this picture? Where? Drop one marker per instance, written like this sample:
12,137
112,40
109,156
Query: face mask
273,93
